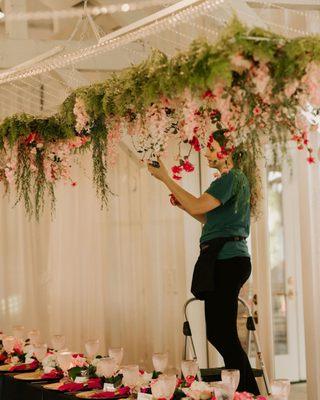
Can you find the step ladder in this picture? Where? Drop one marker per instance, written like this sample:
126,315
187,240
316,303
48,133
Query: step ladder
214,374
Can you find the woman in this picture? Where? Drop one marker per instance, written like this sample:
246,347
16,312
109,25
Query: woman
224,209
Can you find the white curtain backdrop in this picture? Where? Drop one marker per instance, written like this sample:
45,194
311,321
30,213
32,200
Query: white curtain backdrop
115,275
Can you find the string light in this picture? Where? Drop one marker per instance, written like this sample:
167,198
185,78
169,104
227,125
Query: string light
78,12
282,27
154,27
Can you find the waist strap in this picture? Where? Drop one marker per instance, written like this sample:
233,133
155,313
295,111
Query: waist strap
228,239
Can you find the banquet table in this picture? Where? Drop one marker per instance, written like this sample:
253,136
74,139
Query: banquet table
14,389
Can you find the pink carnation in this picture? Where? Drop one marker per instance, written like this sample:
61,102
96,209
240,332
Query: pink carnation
290,88
239,61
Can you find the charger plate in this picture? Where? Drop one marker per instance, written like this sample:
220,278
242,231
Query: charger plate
5,367
30,376
52,386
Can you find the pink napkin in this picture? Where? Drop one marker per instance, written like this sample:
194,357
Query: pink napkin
94,383
25,367
71,387
54,374
122,392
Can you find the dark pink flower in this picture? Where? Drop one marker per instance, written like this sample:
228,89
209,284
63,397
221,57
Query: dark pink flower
311,160
195,143
257,110
176,169
221,155
208,95
32,137
177,177
187,166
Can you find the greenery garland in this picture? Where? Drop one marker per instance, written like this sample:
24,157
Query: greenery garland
258,83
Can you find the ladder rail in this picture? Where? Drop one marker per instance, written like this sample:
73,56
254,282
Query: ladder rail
251,327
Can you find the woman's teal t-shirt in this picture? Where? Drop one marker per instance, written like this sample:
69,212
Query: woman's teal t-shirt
232,217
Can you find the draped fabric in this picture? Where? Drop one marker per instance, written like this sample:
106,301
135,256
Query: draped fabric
115,275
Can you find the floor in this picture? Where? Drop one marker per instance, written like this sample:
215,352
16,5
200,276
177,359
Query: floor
298,391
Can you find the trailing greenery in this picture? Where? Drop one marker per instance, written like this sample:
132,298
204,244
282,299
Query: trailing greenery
132,91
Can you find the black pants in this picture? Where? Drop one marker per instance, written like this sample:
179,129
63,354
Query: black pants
221,309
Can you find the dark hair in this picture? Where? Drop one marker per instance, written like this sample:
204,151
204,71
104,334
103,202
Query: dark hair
245,162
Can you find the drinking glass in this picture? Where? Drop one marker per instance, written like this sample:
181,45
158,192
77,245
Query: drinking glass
168,383
18,332
131,375
34,336
64,359
160,361
58,342
280,389
231,376
157,389
106,367
189,368
117,354
92,347
40,351
8,343
223,390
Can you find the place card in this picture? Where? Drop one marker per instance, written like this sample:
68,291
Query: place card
109,387
81,379
144,396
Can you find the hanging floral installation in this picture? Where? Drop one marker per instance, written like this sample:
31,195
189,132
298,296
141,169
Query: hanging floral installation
251,86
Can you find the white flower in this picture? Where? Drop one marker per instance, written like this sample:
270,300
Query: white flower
199,391
145,379
49,363
95,362
14,360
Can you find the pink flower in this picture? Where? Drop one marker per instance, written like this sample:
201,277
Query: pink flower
195,143
31,138
176,169
79,361
261,77
311,160
257,110
189,380
208,95
176,177
187,166
291,87
240,62
82,117
218,90
221,155
312,82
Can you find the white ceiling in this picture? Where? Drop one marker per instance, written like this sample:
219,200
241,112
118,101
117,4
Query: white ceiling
22,41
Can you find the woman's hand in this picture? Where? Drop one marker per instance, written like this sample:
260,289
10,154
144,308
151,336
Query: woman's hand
160,173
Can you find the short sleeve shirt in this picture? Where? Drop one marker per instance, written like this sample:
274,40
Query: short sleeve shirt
232,217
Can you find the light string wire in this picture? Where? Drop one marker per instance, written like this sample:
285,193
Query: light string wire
121,7
157,26
283,28
309,14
